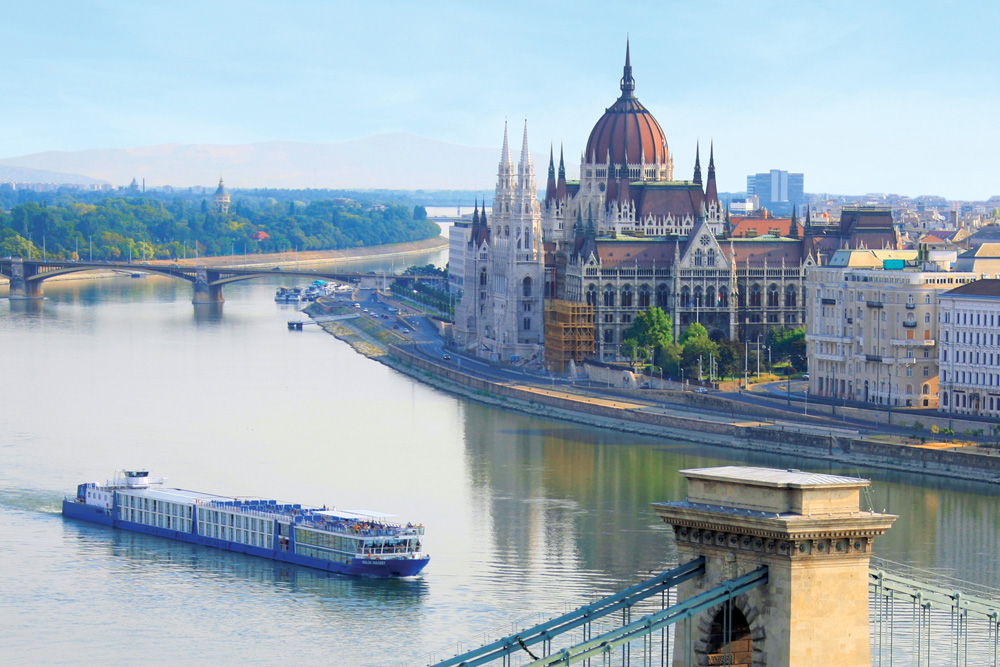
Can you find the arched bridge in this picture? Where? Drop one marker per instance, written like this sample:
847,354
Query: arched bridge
26,275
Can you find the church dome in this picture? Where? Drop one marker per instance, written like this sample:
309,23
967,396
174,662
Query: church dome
627,129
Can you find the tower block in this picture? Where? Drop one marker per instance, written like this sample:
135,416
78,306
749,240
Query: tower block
809,530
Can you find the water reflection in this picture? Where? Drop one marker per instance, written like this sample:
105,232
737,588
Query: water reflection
207,313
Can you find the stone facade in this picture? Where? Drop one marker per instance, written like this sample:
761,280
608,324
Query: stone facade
810,533
872,327
969,322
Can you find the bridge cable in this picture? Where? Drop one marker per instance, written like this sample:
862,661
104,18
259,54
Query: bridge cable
525,647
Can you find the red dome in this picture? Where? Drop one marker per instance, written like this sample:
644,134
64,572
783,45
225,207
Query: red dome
627,129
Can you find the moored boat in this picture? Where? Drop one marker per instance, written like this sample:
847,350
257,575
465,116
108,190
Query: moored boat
355,542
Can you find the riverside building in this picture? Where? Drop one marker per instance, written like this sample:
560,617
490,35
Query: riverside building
969,324
872,326
627,236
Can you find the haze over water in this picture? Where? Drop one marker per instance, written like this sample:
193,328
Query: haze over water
522,514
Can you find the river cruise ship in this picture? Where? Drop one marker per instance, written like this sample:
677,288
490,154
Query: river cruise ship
355,542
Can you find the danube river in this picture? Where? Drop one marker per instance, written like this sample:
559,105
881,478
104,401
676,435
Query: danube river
522,514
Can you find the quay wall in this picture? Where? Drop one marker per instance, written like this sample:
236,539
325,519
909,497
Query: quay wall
786,439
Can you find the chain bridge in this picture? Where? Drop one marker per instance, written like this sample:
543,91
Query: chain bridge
27,275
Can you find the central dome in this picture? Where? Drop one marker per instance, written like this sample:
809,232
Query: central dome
627,130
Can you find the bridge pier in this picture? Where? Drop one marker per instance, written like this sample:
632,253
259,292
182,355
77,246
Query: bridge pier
204,291
808,530
20,286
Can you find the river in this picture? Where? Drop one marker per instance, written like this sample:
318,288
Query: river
523,515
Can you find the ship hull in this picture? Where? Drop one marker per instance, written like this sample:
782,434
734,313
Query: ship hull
362,567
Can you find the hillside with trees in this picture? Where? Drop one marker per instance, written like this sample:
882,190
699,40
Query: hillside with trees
155,227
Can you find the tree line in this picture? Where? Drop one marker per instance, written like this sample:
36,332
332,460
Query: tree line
115,228
649,341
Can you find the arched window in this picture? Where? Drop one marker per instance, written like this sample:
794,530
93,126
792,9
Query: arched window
790,297
710,301
723,297
644,297
685,297
609,296
710,258
699,257
698,300
592,295
627,296
526,286
609,335
661,296
732,645
926,389
755,296
482,277
772,296
927,318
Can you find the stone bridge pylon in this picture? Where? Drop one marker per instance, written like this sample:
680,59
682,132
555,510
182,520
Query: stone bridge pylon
809,530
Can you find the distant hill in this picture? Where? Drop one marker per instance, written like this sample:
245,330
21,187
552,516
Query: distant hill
12,174
393,161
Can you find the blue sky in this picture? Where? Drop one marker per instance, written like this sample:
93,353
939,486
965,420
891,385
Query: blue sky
861,97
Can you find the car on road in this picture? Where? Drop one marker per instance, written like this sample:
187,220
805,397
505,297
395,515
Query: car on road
701,390
406,331
447,357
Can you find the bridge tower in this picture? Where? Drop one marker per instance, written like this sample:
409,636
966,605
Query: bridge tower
20,285
808,530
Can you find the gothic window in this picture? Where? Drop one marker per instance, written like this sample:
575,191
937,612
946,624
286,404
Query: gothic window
526,286
644,297
710,258
609,336
661,296
724,297
482,277
698,302
685,297
790,297
710,300
627,296
609,318
609,297
592,295
755,296
699,257
772,296
527,324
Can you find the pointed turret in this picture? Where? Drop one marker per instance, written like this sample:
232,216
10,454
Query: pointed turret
505,151
611,188
475,213
561,182
525,162
550,186
697,164
711,190
793,227
628,83
809,227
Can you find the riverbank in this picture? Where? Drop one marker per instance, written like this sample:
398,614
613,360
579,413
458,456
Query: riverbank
681,421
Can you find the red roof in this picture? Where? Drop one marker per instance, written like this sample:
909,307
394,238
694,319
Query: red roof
751,227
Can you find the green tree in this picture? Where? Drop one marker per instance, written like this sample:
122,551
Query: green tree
651,329
694,330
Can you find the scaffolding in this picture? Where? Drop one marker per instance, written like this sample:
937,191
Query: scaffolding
569,334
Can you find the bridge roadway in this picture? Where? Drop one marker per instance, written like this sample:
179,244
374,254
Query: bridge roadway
26,275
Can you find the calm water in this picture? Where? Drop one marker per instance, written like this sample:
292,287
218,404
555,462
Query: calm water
523,514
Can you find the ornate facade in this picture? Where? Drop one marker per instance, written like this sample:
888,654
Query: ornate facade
627,236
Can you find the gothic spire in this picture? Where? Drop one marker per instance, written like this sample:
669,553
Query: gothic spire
809,225
525,153
711,189
627,83
793,227
697,163
550,186
505,152
561,182
475,213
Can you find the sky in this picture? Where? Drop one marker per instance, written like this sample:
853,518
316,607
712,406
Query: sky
861,97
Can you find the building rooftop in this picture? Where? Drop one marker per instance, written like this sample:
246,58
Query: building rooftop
773,477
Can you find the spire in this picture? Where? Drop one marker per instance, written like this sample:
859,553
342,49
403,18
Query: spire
793,228
809,226
475,213
525,153
611,192
579,222
505,152
591,230
550,187
627,83
711,190
697,163
561,181
482,218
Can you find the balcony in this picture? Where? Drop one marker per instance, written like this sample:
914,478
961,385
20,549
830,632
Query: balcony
910,325
911,306
850,320
828,302
874,304
906,342
873,357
